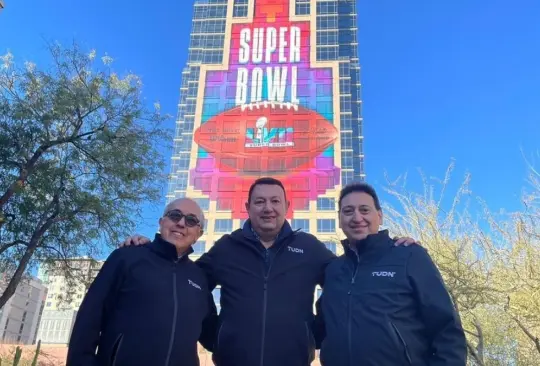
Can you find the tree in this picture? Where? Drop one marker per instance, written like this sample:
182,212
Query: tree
78,156
522,270
486,272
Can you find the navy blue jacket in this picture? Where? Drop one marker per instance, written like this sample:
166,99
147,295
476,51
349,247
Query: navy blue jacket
266,310
388,305
145,307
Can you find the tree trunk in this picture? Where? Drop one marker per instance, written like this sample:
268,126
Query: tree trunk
30,249
16,278
23,176
477,352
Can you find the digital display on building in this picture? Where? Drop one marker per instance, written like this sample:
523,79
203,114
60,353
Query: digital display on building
269,111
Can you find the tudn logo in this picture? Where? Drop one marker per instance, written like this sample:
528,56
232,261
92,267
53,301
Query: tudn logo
296,250
383,274
194,284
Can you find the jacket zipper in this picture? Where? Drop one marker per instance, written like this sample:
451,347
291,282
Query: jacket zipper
349,325
175,315
218,338
265,300
402,342
118,344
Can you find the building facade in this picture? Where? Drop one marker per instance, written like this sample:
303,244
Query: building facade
56,326
271,88
65,295
66,289
20,316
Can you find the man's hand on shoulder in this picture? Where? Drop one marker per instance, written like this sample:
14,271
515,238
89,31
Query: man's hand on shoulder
406,241
134,240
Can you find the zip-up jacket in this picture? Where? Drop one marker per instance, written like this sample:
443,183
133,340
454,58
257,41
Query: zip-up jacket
388,305
145,307
266,313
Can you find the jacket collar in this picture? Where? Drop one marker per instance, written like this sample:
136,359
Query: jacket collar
373,246
247,232
167,250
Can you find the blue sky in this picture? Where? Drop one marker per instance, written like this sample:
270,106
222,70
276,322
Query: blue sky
441,79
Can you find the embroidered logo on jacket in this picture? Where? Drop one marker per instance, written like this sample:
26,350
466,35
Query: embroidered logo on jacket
194,284
383,274
296,250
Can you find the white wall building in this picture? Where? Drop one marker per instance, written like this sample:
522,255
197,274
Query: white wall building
20,317
56,326
60,308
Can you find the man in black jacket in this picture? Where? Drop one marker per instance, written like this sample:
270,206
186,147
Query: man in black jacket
268,274
382,304
147,305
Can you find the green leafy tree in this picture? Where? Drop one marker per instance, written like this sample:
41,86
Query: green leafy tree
78,156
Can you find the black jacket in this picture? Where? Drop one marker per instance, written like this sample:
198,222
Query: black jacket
388,306
266,310
149,307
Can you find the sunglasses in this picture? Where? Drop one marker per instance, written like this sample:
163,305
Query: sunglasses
176,215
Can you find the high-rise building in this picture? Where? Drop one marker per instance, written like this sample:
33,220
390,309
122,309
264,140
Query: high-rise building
67,292
271,88
65,295
20,316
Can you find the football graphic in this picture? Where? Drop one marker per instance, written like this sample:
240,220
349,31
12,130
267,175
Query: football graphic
268,137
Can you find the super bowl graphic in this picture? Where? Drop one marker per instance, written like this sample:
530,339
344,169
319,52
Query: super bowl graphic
268,111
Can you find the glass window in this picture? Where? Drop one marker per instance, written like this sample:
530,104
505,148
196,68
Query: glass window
240,11
223,226
326,204
347,177
302,8
302,224
199,247
326,225
224,204
204,203
327,38
327,22
331,246
346,160
346,141
326,7
300,203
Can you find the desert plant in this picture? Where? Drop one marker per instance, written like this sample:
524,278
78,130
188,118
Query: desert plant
18,354
36,355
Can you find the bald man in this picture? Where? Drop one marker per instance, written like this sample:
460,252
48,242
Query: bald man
148,303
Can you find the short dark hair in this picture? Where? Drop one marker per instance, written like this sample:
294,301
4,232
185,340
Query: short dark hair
360,187
266,181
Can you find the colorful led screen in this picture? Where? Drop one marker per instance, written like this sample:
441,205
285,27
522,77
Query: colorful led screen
269,112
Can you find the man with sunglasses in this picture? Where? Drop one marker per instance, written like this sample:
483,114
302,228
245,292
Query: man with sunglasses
148,304
268,274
